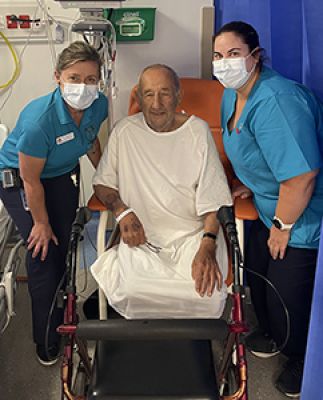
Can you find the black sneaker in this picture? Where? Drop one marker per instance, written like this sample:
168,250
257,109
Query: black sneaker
289,381
49,357
261,344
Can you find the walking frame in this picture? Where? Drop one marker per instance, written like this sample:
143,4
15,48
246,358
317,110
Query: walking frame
77,383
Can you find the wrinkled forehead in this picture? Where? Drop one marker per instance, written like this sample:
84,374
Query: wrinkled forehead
156,79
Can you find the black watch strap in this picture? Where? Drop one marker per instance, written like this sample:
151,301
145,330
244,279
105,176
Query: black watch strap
210,235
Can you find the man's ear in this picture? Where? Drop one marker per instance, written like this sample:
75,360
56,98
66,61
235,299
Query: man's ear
135,90
137,95
179,96
134,102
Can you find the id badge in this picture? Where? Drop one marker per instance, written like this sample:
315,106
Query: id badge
65,138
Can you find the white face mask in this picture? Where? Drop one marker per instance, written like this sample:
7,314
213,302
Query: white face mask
78,95
232,72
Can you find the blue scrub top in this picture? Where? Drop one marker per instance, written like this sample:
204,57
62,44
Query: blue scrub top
278,136
45,129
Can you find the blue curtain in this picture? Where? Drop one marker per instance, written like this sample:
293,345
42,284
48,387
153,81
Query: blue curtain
290,31
311,387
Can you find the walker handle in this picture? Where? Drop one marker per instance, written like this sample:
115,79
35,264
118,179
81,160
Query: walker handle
157,329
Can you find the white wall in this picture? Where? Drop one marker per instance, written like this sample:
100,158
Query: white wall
177,43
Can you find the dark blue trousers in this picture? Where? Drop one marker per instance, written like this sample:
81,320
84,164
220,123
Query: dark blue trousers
61,197
294,279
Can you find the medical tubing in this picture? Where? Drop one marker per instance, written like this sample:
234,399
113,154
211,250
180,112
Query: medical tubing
43,6
282,346
19,59
16,61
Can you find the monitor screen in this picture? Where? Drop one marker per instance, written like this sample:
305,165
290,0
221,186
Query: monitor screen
91,3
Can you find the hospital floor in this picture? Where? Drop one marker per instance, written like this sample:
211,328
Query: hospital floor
23,378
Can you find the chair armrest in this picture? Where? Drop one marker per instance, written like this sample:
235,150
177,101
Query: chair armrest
94,204
245,209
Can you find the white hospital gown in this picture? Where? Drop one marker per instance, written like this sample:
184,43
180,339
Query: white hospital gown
171,180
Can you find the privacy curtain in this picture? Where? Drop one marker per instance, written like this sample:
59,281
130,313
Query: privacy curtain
290,31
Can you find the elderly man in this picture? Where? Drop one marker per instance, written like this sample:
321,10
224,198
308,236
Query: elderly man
162,178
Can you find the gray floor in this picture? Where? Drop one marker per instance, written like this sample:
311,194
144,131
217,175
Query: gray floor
22,377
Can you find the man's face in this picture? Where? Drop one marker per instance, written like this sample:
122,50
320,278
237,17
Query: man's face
158,99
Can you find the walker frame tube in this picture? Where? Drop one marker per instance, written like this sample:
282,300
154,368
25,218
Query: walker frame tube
68,329
234,346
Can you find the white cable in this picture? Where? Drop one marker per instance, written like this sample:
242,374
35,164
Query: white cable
108,53
20,56
42,4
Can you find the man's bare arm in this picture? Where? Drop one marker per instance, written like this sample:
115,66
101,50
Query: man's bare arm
132,231
110,198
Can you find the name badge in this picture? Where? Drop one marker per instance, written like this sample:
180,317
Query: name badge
65,138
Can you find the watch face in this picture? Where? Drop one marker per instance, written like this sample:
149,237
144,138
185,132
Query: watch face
277,224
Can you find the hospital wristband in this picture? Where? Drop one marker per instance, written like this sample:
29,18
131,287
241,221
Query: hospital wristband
124,214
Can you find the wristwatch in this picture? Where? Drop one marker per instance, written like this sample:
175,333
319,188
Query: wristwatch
279,224
210,235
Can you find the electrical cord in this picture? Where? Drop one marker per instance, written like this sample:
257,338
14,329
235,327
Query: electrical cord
48,20
16,62
14,18
50,314
10,88
283,345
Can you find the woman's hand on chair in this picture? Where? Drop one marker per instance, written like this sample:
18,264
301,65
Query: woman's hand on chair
132,230
205,270
241,191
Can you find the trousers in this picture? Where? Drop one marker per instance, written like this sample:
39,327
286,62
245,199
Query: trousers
44,277
293,276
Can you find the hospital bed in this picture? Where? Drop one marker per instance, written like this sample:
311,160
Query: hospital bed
11,258
12,255
159,359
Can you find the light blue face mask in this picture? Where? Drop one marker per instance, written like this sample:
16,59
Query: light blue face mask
232,72
79,95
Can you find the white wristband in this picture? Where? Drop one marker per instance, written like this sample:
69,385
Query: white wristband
123,214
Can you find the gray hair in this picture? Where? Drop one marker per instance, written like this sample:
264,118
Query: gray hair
75,52
174,77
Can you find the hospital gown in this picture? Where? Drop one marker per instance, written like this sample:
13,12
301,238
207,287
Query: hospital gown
170,180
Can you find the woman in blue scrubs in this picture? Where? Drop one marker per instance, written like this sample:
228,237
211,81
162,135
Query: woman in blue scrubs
273,136
39,165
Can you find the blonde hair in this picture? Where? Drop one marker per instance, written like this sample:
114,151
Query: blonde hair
75,52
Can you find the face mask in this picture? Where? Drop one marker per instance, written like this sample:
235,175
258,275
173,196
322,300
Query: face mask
232,72
78,95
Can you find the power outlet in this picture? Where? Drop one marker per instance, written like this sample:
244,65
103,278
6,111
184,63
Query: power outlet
19,31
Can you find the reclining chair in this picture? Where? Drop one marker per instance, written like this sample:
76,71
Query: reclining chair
160,359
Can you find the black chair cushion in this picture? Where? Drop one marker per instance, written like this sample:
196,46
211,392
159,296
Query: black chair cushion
153,370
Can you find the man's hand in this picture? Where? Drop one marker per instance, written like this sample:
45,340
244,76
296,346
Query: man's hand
277,242
205,269
132,231
39,238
